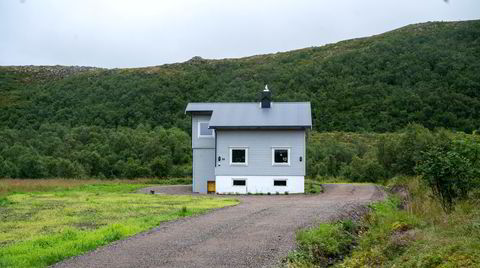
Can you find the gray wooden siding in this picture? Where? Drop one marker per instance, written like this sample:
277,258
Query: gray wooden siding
200,142
203,169
203,156
260,145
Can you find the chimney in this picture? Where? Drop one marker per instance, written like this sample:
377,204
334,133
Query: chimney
266,98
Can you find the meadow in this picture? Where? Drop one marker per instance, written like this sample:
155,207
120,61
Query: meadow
46,221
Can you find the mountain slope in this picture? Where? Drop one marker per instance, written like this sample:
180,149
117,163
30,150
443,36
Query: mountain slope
426,73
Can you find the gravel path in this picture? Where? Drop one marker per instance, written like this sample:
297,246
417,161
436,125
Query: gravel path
259,232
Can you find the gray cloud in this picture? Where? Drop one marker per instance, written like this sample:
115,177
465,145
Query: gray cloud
132,33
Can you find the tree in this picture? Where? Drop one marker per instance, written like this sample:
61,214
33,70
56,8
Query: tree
134,169
31,166
448,174
66,169
161,166
7,169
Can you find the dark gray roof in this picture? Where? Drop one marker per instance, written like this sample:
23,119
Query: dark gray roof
251,115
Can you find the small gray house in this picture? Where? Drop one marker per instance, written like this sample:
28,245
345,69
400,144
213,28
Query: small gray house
249,147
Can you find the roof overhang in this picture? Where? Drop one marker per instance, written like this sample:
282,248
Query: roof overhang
261,127
206,112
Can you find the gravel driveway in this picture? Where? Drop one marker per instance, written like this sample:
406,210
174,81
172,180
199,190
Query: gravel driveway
259,232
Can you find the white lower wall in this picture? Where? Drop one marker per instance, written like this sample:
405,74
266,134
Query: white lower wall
259,184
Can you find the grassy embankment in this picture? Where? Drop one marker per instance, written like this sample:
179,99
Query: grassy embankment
46,221
411,231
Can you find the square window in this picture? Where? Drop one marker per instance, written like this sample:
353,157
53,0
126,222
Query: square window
280,183
239,182
204,131
281,156
238,156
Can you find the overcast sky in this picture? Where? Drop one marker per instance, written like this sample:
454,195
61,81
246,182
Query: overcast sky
113,33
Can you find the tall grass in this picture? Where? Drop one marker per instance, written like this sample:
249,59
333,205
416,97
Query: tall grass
410,229
323,244
9,186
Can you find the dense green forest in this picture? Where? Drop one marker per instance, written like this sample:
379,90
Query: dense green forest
91,122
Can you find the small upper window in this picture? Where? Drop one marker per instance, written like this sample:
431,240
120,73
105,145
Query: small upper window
281,156
280,183
203,130
238,156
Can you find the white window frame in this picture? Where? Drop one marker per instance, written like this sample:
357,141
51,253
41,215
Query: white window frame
273,155
239,148
199,131
239,179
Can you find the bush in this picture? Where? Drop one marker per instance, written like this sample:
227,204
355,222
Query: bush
324,243
312,187
31,166
448,174
64,168
415,140
4,201
364,170
135,169
399,155
8,169
181,171
161,166
326,155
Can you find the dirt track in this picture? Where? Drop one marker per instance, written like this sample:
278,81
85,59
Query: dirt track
259,232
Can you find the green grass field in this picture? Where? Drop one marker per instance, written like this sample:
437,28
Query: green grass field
64,219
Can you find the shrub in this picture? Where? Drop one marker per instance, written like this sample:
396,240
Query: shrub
321,244
180,171
8,169
399,155
312,187
161,166
448,174
326,156
183,210
64,168
31,166
4,201
132,169
415,140
364,170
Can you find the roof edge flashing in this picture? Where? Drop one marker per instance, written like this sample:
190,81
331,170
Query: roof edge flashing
260,127
198,111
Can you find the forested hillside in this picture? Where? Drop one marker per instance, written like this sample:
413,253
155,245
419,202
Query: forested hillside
80,121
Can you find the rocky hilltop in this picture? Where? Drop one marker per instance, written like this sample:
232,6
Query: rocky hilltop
48,72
